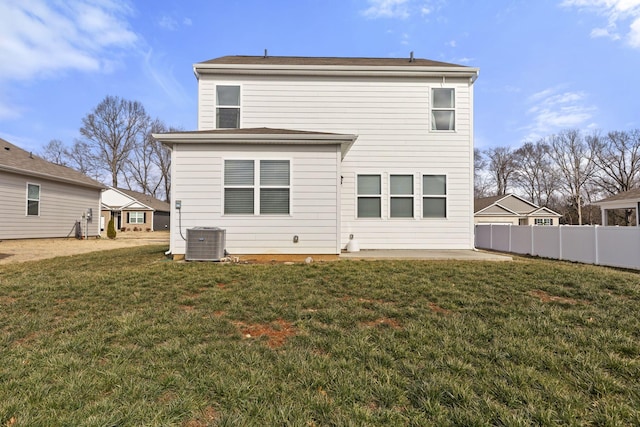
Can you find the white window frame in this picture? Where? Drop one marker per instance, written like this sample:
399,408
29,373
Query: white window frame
543,221
33,200
368,196
436,109
140,217
256,186
444,196
411,195
238,107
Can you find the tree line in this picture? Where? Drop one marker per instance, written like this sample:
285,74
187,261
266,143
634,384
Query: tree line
116,146
566,172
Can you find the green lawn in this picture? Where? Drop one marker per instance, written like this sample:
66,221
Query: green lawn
128,338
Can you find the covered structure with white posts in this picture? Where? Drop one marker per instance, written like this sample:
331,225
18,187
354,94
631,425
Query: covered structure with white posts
627,201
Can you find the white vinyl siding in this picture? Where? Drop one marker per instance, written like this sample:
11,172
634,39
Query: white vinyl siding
392,119
60,206
313,187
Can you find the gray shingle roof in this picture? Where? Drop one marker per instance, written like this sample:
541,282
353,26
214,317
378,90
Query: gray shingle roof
306,60
16,160
148,200
625,195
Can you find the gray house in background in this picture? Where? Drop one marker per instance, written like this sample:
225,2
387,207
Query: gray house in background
39,199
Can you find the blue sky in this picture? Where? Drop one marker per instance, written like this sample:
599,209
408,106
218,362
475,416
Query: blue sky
544,65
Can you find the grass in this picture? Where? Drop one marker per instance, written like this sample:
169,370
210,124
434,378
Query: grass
126,337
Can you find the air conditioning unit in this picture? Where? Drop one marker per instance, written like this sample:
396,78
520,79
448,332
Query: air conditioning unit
205,244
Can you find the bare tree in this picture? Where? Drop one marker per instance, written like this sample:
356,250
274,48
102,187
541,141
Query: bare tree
112,130
162,159
83,159
574,158
501,167
480,185
617,156
55,152
535,174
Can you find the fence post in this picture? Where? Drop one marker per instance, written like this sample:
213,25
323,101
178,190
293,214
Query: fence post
595,242
560,241
532,245
510,237
491,236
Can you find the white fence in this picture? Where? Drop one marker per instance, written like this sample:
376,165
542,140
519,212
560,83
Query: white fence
612,246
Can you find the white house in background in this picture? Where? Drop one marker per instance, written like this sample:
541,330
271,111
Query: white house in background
133,211
298,155
514,210
39,199
627,200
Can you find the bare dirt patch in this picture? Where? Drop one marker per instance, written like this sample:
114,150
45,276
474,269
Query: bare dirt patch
545,297
12,251
437,309
276,332
384,321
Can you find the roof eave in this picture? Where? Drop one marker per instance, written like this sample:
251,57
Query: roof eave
51,177
336,70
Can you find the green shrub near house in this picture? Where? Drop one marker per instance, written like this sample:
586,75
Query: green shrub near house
111,229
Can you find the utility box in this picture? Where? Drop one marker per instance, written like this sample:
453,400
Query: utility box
205,244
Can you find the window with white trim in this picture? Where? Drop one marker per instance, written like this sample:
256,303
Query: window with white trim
543,221
401,196
434,196
269,189
33,200
369,196
136,217
443,109
227,107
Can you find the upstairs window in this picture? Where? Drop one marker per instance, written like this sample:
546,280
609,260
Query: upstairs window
434,196
401,196
227,107
369,196
33,200
443,104
271,193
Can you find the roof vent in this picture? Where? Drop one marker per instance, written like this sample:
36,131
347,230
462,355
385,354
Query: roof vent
7,148
411,57
266,54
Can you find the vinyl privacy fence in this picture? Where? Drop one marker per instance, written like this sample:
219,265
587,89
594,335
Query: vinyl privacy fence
610,246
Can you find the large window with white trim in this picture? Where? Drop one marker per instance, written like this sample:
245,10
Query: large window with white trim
227,107
443,109
543,221
269,189
136,217
33,200
434,196
369,196
401,196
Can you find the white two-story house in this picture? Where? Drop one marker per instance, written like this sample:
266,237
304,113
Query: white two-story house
300,155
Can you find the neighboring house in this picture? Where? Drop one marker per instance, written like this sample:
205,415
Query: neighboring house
39,199
133,211
511,209
299,155
627,201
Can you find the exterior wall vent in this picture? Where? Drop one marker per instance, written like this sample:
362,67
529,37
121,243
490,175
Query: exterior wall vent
205,244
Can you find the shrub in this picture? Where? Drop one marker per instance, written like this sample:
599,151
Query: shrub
111,229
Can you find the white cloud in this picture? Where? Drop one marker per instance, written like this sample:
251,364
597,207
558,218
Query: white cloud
618,13
387,9
168,23
554,109
39,38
